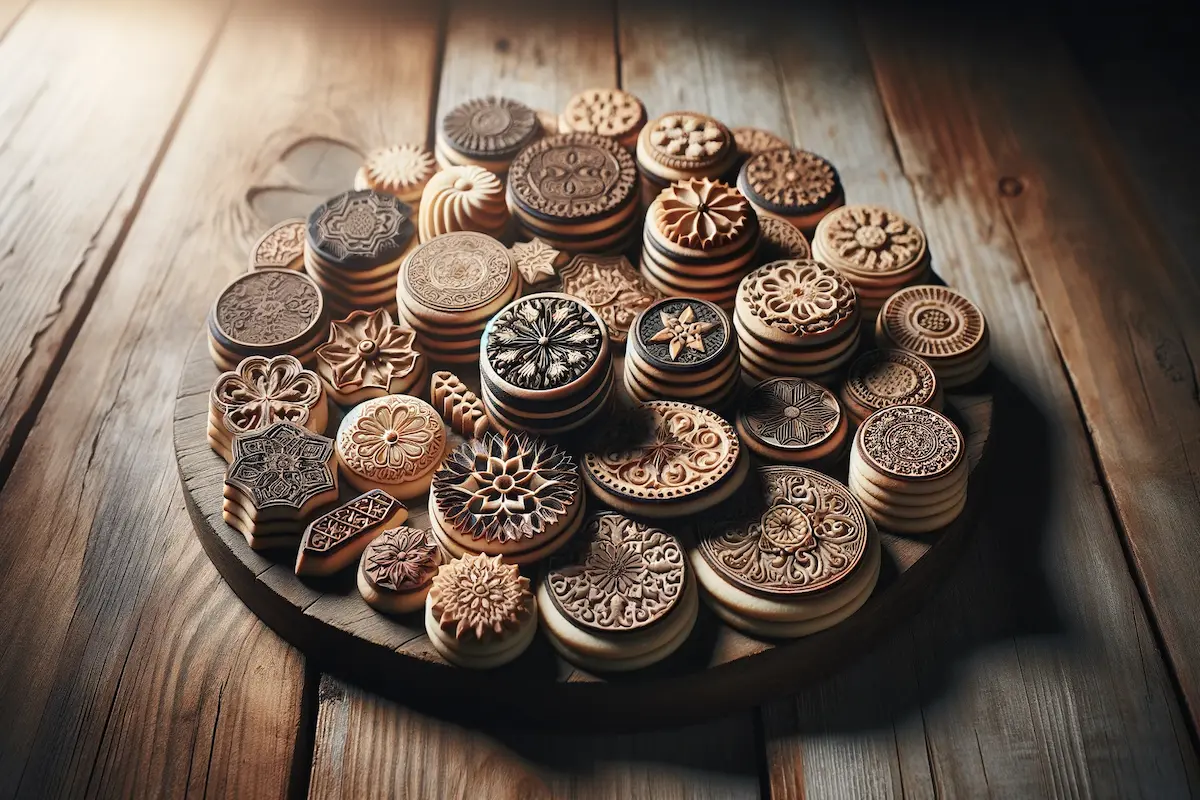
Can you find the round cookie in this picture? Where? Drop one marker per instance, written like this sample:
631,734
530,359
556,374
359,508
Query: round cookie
681,145
883,378
281,247
939,325
781,241
487,132
463,198
793,421
359,232
789,302
878,250
608,112
400,170
480,612
369,356
910,444
796,185
394,443
397,569
266,313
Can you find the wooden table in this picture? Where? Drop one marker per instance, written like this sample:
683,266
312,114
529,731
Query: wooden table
144,145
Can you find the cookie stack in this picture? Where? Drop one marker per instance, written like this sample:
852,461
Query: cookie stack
665,459
280,476
401,171
337,538
796,558
608,112
909,469
794,421
575,191
486,132
683,349
396,570
514,495
393,443
366,356
877,249
545,365
796,319
700,237
680,146
781,240
796,185
355,244
465,198
281,247
261,392
640,618
940,326
474,634
268,312
884,378
448,289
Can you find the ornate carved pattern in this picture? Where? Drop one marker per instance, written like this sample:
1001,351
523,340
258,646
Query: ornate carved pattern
781,240
262,391
687,331
263,309
281,465
392,439
536,261
883,378
367,350
543,342
688,141
478,594
348,521
701,214
790,179
399,169
506,488
281,246
361,225
608,112
612,287
932,321
573,176
791,413
490,127
812,535
460,407
665,450
624,575
753,141
799,297
911,442
402,559
457,272
871,239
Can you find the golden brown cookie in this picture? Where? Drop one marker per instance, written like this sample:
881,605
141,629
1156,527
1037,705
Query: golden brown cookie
608,112
537,261
883,378
461,408
752,141
781,241
612,287
472,633
336,539
393,443
876,248
797,185
366,356
281,247
397,568
939,325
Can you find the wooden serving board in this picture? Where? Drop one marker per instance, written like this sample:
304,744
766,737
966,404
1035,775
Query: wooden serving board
717,670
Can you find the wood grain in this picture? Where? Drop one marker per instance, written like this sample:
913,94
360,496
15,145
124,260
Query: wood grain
80,135
1001,685
129,667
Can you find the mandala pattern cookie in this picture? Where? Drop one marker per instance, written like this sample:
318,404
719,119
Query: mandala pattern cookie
367,355
798,298
360,230
266,313
480,612
397,569
544,342
794,421
884,378
572,176
281,247
463,198
796,185
336,539
488,128
782,241
941,326
400,170
607,112
612,287
458,274
911,442
870,240
394,442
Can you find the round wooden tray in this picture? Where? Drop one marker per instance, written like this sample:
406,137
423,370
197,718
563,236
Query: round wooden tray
717,670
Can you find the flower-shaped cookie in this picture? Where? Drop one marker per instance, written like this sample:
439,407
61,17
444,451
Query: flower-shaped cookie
701,214
480,594
367,351
262,391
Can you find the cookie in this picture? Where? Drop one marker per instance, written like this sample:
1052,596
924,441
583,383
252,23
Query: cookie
940,326
281,247
400,170
366,356
878,250
752,141
397,568
268,312
463,198
683,349
612,287
261,392
476,634
608,112
884,378
537,261
336,539
460,407
796,185
781,241
393,443
793,421
486,132
682,145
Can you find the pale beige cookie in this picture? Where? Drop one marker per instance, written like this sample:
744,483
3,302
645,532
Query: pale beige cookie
537,261
397,569
942,494
480,612
368,356
608,112
910,444
394,443
781,241
400,170
786,302
281,247
464,198
684,144
871,245
461,408
935,521
456,281
337,538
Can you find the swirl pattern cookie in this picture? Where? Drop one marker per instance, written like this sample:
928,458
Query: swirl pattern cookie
394,443
281,247
463,198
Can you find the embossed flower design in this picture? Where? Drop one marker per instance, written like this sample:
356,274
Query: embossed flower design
787,530
874,239
701,213
399,167
401,557
792,412
682,330
804,296
791,178
392,435
543,342
688,136
616,568
665,448
263,390
535,260
477,594
367,349
610,112
281,463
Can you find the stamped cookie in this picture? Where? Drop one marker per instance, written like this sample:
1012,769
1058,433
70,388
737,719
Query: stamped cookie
261,392
752,141
336,539
487,132
463,198
612,287
877,249
607,112
281,247
883,378
400,170
794,421
939,325
393,443
269,312
797,185
397,568
460,407
682,349
782,241
681,145
480,612
359,231
537,261
367,356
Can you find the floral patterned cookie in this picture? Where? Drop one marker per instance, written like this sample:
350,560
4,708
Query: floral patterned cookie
394,443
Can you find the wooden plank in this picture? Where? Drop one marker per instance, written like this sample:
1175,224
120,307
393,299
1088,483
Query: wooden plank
128,667
80,135
1014,679
417,756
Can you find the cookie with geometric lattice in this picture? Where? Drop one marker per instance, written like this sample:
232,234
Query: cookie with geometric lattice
335,540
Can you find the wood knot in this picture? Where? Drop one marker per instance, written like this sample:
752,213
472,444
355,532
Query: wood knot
1011,187
503,45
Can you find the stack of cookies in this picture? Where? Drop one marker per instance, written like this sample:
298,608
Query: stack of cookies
877,249
514,495
607,112
795,557
665,459
393,443
268,312
261,392
795,185
940,326
465,198
680,146
884,378
639,619
486,132
280,476
909,469
355,244
401,171
474,634
796,319
545,365
794,421
448,290
575,191
700,237
683,349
